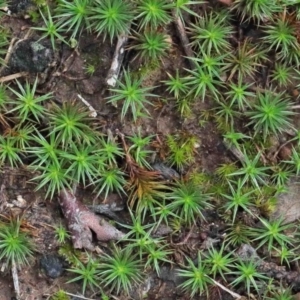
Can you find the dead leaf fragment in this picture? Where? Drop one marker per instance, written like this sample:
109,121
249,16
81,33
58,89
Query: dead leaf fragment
81,222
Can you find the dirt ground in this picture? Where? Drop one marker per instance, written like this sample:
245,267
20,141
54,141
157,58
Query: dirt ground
66,78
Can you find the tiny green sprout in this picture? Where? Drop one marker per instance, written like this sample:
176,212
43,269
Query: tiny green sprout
52,176
282,174
90,69
28,104
294,161
110,151
111,18
153,13
247,275
73,15
136,229
252,170
282,75
258,10
280,36
211,32
51,29
237,234
23,136
225,116
139,245
285,254
60,295
201,83
80,161
152,45
224,170
195,277
233,138
212,63
184,106
238,198
45,151
219,262
282,294
138,149
133,96
71,123
61,234
185,6
15,247
272,114
239,94
111,179
182,148
86,273
163,214
156,255
177,85
272,233
120,270
9,152
188,201
245,60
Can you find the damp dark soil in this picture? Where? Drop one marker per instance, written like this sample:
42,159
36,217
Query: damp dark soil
63,73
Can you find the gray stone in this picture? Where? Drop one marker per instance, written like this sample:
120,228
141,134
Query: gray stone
288,202
52,265
30,56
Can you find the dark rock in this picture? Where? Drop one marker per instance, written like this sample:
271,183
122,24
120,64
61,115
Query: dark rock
165,171
170,274
30,56
52,265
20,6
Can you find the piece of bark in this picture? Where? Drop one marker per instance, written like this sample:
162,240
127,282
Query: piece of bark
81,222
227,2
15,279
117,60
184,39
235,151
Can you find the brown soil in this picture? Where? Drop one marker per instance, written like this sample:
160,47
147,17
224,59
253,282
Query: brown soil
66,79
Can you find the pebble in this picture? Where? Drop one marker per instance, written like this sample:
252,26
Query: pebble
52,265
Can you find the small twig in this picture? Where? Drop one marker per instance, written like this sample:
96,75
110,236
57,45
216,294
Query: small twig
186,238
295,107
227,2
13,76
262,156
184,39
8,54
117,60
234,295
279,149
90,107
69,294
77,296
235,151
72,78
15,277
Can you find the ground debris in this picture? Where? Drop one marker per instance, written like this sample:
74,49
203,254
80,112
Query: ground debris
271,269
81,223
